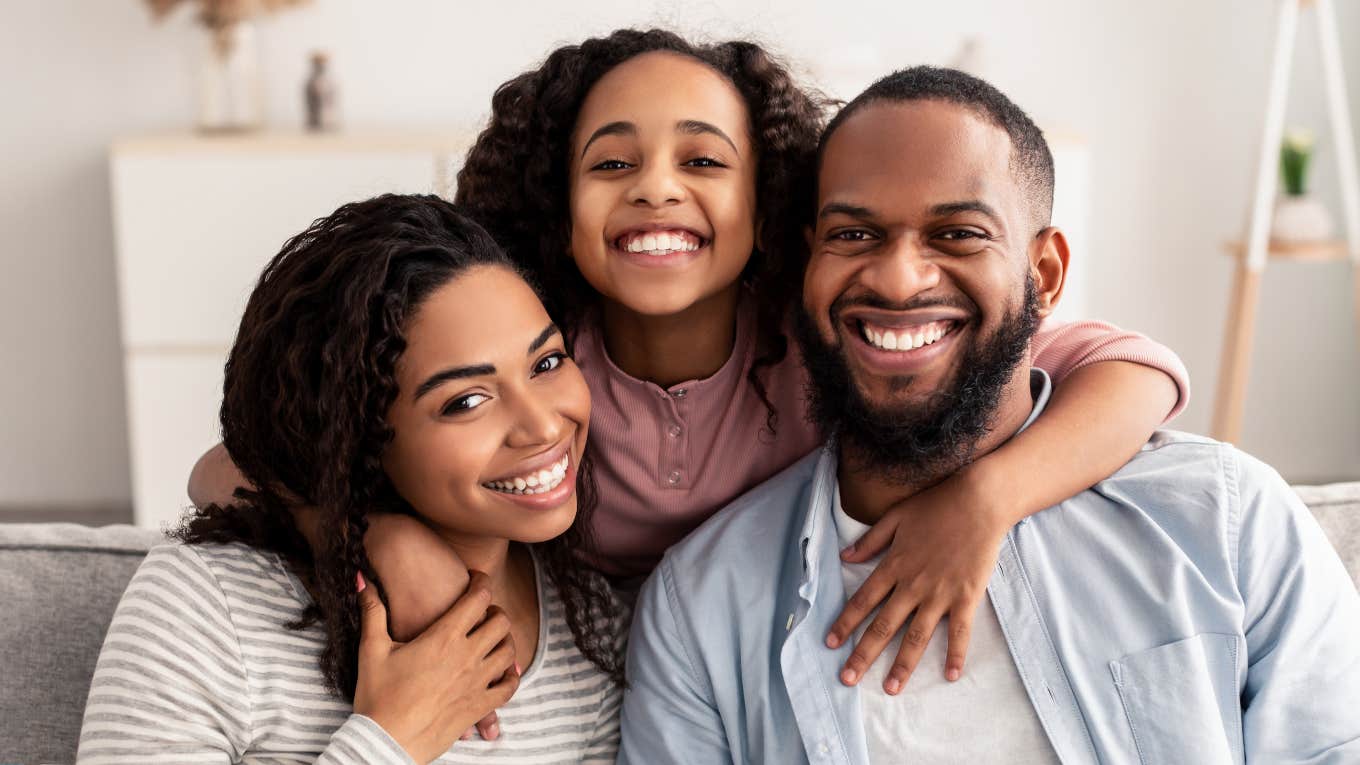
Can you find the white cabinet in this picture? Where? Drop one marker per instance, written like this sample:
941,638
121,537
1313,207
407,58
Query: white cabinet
196,219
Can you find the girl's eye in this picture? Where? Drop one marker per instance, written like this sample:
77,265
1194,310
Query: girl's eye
611,164
549,363
464,403
704,162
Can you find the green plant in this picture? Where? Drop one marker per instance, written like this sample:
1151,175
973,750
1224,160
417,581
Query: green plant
1295,153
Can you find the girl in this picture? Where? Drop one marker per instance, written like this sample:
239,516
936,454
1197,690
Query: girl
659,190
393,360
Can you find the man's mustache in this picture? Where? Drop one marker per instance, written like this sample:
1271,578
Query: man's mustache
871,300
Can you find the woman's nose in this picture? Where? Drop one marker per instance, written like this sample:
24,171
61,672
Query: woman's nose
536,423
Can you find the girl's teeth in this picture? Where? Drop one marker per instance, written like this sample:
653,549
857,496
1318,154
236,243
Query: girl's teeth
649,242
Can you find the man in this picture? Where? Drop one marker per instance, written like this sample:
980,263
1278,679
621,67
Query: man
1185,610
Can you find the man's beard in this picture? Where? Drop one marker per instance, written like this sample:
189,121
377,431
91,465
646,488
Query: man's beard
914,443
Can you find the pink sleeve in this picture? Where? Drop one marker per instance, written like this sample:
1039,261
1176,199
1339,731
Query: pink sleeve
1061,348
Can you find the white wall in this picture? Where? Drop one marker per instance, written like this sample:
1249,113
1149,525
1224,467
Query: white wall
1169,95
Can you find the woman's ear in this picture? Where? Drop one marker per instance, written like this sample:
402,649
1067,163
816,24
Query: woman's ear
1048,258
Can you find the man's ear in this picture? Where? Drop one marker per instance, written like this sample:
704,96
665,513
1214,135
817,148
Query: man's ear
1048,256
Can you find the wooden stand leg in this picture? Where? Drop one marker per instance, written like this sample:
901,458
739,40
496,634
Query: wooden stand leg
1355,303
1232,373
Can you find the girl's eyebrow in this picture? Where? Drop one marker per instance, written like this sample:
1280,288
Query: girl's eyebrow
695,127
613,128
477,370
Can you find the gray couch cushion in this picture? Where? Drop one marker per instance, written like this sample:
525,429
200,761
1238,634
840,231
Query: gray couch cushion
59,583
1337,508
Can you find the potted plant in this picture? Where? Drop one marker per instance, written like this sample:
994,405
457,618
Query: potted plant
1299,216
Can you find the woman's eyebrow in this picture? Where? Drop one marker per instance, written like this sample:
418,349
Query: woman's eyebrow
456,373
696,127
613,128
543,336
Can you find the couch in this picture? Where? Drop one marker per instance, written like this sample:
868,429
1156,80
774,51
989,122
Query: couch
60,582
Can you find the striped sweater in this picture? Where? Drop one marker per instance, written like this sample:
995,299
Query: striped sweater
200,667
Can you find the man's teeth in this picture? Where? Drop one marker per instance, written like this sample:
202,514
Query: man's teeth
660,242
533,483
903,338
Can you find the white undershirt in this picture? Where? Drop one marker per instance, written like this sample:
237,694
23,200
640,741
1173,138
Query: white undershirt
985,716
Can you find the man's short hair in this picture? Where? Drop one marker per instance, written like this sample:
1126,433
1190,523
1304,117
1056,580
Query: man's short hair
1031,160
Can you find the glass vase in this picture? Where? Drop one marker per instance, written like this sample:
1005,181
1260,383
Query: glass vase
230,89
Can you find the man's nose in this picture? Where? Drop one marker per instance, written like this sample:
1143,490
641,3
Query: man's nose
536,421
902,271
656,184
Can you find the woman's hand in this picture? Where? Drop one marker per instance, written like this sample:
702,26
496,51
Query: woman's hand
428,692
944,545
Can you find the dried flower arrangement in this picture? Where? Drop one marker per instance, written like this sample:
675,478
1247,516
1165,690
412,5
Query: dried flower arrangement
221,16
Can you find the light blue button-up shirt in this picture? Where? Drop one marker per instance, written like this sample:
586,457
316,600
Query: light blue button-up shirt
1188,609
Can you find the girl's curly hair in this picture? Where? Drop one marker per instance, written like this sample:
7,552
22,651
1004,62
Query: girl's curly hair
308,386
515,178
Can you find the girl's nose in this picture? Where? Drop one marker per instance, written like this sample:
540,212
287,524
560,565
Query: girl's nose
656,185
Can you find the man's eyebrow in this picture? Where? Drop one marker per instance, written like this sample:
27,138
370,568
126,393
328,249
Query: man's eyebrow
842,208
697,127
543,336
456,373
971,205
612,128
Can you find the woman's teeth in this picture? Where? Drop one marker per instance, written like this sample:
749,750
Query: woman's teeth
904,338
660,242
534,483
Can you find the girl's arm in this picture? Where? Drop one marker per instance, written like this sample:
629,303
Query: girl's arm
1112,390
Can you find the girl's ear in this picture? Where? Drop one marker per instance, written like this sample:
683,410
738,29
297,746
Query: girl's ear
1048,256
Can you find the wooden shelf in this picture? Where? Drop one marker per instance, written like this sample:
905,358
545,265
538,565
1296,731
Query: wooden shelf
1331,249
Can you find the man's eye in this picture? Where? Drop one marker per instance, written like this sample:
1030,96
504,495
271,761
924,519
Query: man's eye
960,234
611,164
464,403
851,236
549,363
704,162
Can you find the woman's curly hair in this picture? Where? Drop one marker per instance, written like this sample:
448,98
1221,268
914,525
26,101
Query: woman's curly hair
308,386
515,178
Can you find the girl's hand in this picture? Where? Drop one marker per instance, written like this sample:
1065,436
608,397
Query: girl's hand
428,692
939,565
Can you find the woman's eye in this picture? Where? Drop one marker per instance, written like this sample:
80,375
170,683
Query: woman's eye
611,164
464,403
704,162
549,363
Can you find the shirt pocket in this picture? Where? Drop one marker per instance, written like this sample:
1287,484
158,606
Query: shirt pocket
1181,700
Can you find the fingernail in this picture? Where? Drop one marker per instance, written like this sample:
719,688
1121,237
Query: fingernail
952,674
893,685
493,731
518,671
359,581
832,641
466,735
848,551
848,677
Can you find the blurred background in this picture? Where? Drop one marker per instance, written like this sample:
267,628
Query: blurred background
131,239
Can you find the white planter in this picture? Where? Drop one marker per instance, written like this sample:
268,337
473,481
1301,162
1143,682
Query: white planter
1301,219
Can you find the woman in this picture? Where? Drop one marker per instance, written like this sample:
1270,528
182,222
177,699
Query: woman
391,359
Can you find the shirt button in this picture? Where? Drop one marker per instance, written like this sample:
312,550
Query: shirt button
675,431
679,392
823,748
673,478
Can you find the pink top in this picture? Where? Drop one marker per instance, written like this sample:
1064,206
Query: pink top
668,458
